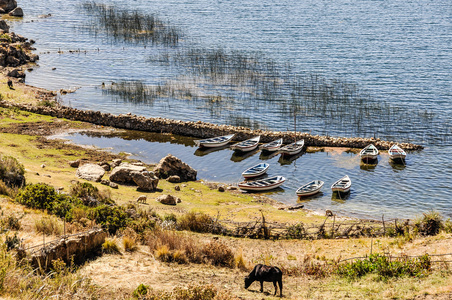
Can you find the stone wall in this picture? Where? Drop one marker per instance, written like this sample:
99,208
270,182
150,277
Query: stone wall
75,248
199,129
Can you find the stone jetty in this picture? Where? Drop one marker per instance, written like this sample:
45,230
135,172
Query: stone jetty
199,129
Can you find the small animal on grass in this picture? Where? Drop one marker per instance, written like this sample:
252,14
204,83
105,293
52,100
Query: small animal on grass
263,273
142,199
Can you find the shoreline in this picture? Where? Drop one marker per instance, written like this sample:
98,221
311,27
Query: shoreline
198,129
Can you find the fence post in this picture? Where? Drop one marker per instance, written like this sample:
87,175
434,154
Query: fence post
384,227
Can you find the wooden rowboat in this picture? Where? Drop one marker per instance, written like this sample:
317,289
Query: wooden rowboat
262,184
396,153
292,149
369,153
215,141
310,188
256,170
342,185
272,146
247,145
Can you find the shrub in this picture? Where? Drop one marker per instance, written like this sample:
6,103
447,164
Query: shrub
296,231
48,226
89,194
12,223
129,244
218,254
40,195
195,222
140,291
430,224
112,218
448,226
385,268
200,292
11,171
240,262
12,242
110,247
163,253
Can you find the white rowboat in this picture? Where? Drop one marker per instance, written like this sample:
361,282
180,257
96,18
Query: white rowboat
292,149
396,153
262,184
310,188
247,145
369,153
215,141
272,146
342,185
256,170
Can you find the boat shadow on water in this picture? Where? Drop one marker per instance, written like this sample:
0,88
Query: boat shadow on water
397,165
267,192
238,156
301,199
368,166
340,197
266,155
204,151
287,160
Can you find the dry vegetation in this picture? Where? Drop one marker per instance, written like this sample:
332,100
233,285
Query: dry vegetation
160,254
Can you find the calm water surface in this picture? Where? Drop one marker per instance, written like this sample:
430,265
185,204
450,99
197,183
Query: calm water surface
395,52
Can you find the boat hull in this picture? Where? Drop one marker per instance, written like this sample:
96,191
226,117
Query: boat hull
246,146
272,146
211,143
342,186
292,149
302,192
250,173
254,187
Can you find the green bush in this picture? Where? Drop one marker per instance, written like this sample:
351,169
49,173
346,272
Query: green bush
112,218
89,194
12,242
384,267
140,291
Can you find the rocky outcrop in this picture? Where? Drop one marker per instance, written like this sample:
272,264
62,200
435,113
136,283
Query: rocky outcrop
17,12
91,172
171,166
7,5
4,28
74,249
135,174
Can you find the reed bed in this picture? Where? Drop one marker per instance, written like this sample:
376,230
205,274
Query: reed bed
130,26
249,89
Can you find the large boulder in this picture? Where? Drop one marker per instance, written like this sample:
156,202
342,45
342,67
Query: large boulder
4,28
137,174
146,181
17,12
168,199
171,165
123,172
7,5
91,172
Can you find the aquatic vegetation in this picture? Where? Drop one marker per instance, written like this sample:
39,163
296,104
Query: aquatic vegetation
130,26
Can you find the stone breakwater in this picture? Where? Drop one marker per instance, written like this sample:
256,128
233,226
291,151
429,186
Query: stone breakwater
200,129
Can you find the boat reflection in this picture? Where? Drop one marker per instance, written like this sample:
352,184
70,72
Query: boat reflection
265,155
204,151
239,156
340,197
287,160
397,165
302,199
367,167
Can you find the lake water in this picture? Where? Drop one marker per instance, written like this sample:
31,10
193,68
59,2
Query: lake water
396,54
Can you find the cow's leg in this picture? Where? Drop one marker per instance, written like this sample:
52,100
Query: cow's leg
262,286
280,287
276,287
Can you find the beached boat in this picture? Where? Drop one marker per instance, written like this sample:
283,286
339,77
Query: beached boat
215,141
247,145
310,188
272,146
262,184
342,185
396,153
292,149
369,153
256,170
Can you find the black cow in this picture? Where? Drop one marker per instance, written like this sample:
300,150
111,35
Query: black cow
265,273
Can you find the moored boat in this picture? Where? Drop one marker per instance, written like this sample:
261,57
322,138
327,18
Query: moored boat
256,170
292,149
342,185
262,184
396,153
369,153
310,188
247,145
215,141
272,146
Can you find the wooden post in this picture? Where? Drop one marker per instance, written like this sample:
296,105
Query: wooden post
332,229
384,228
